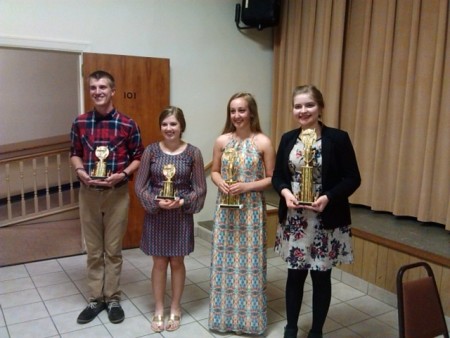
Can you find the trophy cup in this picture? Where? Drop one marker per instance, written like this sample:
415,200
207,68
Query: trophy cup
167,192
230,201
306,194
99,172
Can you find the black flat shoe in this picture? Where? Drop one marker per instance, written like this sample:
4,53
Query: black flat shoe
314,335
290,333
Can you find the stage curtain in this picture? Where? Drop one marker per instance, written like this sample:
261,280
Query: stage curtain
308,49
388,87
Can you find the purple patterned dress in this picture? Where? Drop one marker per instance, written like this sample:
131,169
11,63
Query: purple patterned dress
238,267
170,232
302,241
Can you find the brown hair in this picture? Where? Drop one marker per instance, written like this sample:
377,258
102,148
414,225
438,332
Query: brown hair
253,108
175,111
312,90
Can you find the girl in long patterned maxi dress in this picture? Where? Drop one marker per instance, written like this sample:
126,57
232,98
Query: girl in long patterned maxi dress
313,238
238,266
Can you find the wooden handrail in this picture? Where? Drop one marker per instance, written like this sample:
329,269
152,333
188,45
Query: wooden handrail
34,155
12,150
208,166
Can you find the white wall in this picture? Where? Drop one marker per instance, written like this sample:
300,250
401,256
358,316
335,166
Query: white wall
29,79
210,58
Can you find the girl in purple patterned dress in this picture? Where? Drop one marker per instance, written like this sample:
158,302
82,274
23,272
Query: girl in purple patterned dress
168,233
313,237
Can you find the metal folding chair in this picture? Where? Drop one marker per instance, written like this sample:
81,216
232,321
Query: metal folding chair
420,313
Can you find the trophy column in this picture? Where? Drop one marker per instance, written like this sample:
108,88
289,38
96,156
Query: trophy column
230,201
306,193
100,172
168,191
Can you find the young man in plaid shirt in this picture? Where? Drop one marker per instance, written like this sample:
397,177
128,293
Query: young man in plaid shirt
107,134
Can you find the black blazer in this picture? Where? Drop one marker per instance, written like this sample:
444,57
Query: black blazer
340,174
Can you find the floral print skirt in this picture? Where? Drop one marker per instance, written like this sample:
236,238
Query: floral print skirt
304,244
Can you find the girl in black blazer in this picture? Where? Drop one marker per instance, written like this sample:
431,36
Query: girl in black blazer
313,237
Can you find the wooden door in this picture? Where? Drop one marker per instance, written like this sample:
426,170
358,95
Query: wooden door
142,91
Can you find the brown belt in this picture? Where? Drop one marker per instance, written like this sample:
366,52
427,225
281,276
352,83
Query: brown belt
103,188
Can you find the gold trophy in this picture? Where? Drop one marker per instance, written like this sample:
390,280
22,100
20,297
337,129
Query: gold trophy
230,201
99,172
168,192
306,193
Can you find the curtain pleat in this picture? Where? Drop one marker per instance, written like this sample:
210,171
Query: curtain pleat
308,50
383,67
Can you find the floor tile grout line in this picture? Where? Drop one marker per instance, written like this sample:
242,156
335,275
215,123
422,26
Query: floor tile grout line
200,260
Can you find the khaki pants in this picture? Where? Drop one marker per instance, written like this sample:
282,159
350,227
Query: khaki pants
104,219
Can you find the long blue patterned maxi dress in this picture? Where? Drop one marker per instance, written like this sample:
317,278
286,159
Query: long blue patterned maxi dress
238,267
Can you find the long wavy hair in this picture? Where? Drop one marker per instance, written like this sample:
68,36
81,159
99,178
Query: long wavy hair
252,107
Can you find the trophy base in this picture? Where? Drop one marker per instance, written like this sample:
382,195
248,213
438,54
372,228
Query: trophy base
304,203
160,197
99,177
231,206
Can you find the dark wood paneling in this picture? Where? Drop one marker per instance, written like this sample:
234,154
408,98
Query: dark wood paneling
142,91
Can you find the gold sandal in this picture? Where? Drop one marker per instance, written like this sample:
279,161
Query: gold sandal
158,323
174,322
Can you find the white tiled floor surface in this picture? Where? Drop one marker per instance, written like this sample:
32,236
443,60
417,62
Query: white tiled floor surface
43,299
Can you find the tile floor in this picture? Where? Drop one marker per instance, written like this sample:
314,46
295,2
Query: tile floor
43,299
